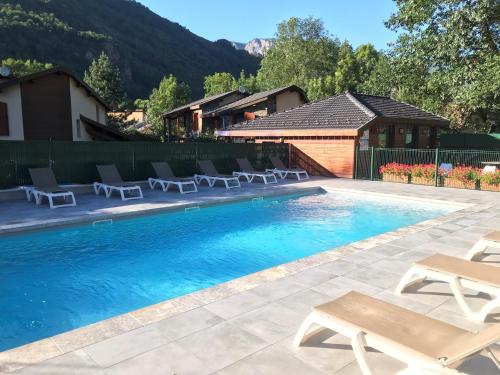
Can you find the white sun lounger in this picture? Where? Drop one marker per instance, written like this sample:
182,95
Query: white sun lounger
112,181
282,171
459,273
491,239
249,173
45,185
211,176
166,178
417,340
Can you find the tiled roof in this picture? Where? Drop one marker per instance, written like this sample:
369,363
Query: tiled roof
342,111
202,101
255,98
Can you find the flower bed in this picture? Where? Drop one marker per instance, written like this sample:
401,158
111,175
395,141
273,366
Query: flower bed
490,181
423,174
395,172
463,178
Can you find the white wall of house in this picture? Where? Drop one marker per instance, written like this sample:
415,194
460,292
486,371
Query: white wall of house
288,100
12,96
88,106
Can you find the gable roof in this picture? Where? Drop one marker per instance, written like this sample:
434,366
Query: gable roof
200,102
342,111
55,70
255,99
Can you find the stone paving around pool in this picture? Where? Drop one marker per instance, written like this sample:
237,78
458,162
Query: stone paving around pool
246,326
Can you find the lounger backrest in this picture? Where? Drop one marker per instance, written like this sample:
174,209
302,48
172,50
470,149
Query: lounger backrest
43,178
208,167
109,174
163,170
245,165
277,162
472,343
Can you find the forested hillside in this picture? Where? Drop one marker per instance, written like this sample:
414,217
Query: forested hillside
144,45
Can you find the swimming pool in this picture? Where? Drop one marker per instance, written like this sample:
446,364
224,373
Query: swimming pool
56,280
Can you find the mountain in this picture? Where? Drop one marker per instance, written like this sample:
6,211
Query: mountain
255,47
144,45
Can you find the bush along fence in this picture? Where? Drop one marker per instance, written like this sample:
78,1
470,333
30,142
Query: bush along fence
448,168
75,162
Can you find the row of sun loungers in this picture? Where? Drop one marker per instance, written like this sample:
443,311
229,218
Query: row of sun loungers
426,345
45,184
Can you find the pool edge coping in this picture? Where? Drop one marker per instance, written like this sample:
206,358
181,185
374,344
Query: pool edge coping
69,341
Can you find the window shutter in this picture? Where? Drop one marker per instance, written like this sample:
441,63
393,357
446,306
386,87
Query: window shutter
4,119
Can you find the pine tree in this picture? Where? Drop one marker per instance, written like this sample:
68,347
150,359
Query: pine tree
104,77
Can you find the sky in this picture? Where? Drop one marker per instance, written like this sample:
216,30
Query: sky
358,21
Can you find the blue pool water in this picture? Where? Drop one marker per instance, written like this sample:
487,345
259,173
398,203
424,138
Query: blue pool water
57,280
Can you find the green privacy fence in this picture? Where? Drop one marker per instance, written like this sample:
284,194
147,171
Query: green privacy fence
74,162
368,162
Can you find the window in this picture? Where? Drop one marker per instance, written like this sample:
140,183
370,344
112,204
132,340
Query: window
4,119
97,113
78,129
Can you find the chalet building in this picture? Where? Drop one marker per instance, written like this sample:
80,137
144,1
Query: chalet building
187,120
257,105
325,134
52,104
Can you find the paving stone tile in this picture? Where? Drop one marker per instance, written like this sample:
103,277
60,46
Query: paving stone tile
375,277
119,348
278,289
236,304
77,363
341,285
168,359
302,302
222,345
186,323
273,360
271,323
340,267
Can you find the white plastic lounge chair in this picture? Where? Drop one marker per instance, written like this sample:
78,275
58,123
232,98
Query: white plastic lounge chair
112,181
211,176
166,178
459,273
489,169
45,185
282,171
417,340
492,239
248,172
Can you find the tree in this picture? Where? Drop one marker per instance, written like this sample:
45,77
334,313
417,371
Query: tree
366,58
219,83
380,80
453,46
346,75
320,88
169,95
303,50
104,77
23,67
248,82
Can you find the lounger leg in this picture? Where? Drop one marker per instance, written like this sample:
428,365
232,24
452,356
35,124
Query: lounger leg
488,308
122,194
456,288
358,346
302,334
412,276
477,249
151,185
51,202
493,357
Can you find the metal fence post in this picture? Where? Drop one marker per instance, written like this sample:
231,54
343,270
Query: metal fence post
436,172
371,162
